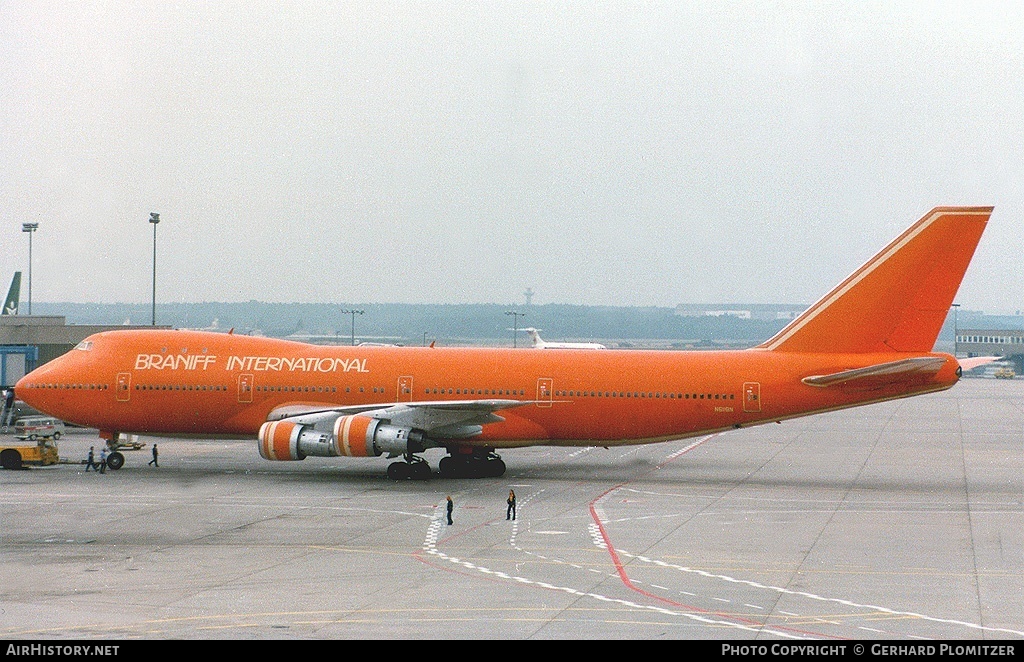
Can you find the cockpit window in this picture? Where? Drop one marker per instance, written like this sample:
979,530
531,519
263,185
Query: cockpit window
85,345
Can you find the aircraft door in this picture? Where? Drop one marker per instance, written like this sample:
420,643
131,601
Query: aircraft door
245,388
544,391
751,397
124,385
404,389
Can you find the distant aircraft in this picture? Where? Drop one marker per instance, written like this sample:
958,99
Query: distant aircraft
869,340
215,327
538,343
13,295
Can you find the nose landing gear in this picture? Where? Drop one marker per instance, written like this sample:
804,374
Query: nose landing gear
115,461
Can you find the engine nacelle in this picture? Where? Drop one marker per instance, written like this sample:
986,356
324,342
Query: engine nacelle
286,440
353,436
279,440
363,436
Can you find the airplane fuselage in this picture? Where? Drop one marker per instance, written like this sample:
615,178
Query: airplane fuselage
194,383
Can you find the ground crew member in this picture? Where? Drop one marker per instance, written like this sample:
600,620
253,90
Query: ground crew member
511,512
451,506
90,461
153,461
103,460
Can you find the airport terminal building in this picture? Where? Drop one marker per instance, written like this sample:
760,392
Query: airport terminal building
1007,343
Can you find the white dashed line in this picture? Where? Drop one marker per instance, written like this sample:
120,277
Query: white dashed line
778,589
430,547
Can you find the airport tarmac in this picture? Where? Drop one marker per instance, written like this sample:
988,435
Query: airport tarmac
901,520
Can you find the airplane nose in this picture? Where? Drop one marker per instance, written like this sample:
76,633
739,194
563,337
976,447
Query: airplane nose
38,388
26,389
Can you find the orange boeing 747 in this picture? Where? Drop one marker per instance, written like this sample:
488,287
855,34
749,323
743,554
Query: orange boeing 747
868,340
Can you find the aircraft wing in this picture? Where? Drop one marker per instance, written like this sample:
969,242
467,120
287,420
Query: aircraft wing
879,375
441,418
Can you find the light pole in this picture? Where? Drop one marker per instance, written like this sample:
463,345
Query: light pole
353,313
515,324
154,218
30,228
956,328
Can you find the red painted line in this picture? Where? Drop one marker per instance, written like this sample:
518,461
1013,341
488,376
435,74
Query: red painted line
619,568
628,583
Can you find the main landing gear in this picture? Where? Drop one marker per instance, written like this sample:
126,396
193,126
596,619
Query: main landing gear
413,468
482,463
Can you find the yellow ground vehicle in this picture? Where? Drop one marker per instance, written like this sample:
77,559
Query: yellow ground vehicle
40,453
1004,373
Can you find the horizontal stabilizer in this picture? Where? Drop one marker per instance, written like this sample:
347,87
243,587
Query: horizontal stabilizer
882,374
975,361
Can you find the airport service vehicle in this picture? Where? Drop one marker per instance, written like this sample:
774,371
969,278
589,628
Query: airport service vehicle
41,453
1004,373
38,427
868,340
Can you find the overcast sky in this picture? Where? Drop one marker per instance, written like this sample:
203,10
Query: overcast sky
619,153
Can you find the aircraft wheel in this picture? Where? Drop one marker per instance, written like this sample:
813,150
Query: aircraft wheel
463,469
399,471
446,467
497,468
56,436
421,471
115,461
10,459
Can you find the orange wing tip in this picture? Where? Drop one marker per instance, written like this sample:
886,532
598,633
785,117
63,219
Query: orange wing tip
893,371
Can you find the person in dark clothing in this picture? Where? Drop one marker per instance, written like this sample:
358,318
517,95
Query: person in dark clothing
511,512
103,460
451,507
153,461
90,461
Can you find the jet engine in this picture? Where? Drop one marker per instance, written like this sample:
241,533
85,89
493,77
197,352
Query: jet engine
351,436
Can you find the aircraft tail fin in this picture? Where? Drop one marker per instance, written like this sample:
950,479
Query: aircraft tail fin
898,300
13,295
